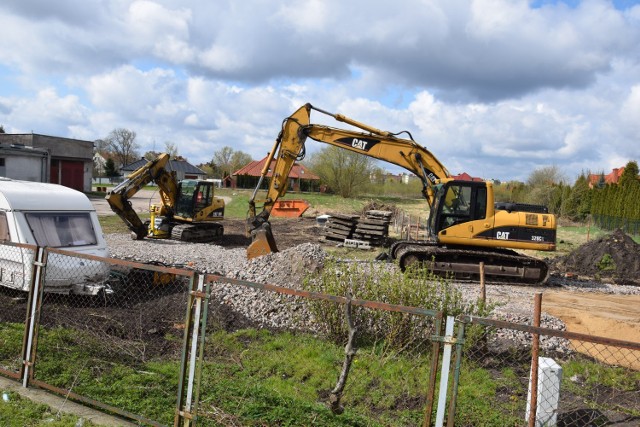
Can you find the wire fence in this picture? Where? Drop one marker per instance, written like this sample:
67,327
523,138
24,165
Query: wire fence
581,379
166,345
15,279
630,226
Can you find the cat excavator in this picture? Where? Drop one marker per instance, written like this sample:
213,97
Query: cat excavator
189,211
465,226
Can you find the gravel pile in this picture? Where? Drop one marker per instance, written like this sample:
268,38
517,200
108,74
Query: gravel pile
246,306
249,307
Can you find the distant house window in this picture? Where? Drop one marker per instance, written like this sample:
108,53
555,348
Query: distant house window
1,161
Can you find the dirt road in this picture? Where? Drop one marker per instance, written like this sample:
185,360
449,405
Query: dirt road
612,316
141,202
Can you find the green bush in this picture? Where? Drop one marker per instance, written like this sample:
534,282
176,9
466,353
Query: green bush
382,282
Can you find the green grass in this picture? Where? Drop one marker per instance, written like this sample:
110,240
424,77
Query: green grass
257,378
320,202
21,412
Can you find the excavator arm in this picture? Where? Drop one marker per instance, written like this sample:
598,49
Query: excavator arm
152,171
370,141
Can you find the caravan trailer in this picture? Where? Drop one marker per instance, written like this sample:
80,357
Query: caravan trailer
54,216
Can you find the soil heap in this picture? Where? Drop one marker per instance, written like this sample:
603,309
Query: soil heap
612,257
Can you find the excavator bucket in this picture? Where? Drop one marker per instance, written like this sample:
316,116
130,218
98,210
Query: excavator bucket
262,243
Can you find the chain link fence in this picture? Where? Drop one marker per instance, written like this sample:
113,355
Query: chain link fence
101,331
630,226
283,359
16,261
165,345
582,380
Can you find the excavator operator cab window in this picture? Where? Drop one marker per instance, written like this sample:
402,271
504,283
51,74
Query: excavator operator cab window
184,205
203,196
462,202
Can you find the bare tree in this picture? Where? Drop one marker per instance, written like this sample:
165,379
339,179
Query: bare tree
238,160
227,160
222,159
541,183
122,143
171,149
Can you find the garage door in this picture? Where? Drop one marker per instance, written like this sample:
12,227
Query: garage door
68,173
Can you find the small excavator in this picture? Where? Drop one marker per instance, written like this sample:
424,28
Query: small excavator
189,210
465,226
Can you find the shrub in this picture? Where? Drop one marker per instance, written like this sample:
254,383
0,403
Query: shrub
417,287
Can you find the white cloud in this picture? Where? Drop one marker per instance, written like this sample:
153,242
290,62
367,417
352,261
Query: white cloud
490,86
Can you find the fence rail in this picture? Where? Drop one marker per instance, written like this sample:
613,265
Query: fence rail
146,342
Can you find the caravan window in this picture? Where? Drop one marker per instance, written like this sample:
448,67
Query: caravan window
4,228
58,230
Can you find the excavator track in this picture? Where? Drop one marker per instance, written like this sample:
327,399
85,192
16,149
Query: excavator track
197,233
500,265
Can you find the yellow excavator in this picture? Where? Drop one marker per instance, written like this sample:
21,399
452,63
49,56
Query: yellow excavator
465,225
189,210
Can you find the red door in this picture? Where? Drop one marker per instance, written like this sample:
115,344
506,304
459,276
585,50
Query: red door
68,173
72,175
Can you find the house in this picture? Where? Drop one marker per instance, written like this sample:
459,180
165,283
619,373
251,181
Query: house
183,169
601,179
45,158
466,177
24,163
300,178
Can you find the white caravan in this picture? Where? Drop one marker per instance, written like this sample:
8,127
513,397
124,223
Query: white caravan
54,216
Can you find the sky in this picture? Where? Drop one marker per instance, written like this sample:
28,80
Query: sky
494,88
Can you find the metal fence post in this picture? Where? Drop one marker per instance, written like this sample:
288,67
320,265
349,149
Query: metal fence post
33,315
182,410
456,374
435,358
444,374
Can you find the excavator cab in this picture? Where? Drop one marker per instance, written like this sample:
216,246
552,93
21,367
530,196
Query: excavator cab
457,202
193,196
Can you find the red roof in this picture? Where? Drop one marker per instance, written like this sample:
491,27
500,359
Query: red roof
255,168
611,178
466,177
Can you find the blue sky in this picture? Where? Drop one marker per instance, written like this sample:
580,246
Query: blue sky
494,88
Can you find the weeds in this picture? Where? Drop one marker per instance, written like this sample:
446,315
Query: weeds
381,282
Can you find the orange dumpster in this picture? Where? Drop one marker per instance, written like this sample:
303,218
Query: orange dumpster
289,208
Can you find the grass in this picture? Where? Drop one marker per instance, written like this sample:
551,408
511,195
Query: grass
20,412
320,202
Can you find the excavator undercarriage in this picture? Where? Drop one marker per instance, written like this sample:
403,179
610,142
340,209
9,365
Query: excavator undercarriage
463,264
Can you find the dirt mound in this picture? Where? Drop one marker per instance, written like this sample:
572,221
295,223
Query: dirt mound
615,256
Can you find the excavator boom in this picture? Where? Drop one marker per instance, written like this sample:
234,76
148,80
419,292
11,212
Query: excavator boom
152,171
465,225
369,141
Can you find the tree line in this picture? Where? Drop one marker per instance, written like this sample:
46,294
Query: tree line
609,205
121,149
